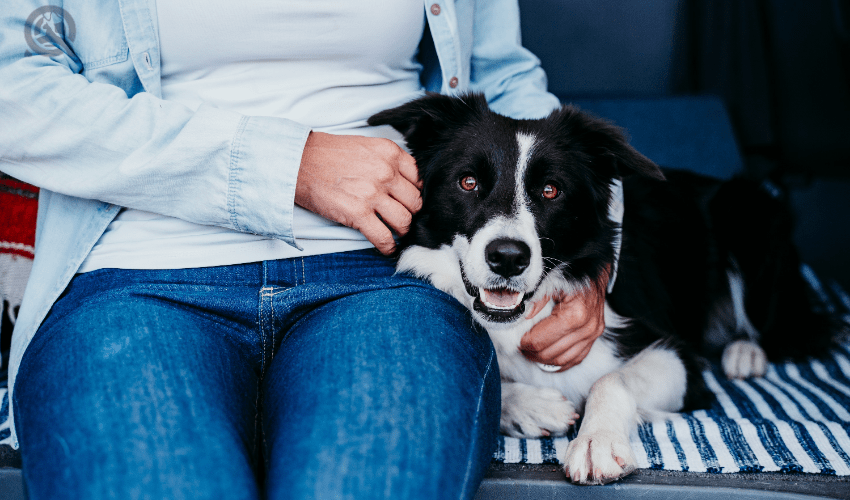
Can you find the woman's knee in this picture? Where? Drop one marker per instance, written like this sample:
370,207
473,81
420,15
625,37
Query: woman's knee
399,382
404,322
113,395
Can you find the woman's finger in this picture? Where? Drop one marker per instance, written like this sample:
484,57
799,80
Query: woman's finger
377,233
407,168
407,194
394,215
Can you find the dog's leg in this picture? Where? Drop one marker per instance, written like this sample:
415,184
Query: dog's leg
742,358
532,412
654,381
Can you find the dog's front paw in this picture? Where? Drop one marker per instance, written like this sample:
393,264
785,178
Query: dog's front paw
599,457
744,358
533,412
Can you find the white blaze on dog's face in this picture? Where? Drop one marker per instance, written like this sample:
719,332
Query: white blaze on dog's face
513,210
502,262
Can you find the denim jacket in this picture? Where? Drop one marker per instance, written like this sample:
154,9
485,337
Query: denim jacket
81,117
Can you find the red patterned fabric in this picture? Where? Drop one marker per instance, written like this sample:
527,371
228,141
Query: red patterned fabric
18,207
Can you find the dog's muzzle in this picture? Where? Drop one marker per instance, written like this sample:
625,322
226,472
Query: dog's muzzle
498,305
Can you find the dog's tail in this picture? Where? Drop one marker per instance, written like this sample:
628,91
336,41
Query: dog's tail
753,222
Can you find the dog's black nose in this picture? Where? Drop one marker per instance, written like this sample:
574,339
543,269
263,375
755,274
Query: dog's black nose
507,257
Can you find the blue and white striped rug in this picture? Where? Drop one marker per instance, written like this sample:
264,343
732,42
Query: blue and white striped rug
795,419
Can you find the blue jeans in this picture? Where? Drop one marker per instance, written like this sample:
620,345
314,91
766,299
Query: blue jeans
315,377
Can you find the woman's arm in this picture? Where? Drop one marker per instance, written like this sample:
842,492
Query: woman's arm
509,75
66,134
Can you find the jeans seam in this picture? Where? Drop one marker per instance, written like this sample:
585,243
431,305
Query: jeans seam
271,355
273,326
475,422
265,292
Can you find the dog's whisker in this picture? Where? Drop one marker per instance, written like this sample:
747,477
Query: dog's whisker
556,262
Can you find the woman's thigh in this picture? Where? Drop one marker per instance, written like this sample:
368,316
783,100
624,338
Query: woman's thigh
136,395
389,393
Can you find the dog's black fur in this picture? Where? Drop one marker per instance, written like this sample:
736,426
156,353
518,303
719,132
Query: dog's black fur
682,234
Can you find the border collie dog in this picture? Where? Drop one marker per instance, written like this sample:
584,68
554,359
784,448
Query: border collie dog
516,211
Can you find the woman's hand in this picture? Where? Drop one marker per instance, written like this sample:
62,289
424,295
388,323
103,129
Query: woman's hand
566,336
365,183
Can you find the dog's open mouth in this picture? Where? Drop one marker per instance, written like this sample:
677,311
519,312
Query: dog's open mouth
500,299
500,304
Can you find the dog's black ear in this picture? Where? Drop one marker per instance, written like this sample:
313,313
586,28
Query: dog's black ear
629,160
423,121
602,139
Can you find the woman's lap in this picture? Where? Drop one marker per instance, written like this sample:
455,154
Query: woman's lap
402,425
369,386
114,401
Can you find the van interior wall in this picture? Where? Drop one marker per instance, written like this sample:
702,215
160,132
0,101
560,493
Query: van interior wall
781,68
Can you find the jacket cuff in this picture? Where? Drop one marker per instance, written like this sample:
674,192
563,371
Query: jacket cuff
264,163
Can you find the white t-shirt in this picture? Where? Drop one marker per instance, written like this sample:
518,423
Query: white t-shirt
328,64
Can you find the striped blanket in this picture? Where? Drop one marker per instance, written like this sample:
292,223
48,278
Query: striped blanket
796,419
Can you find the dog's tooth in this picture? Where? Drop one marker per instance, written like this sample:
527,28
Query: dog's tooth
484,294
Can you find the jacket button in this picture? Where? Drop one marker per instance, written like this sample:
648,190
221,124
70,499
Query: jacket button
453,82
435,9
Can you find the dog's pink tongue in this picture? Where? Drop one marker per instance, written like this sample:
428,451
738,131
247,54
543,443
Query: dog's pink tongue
501,298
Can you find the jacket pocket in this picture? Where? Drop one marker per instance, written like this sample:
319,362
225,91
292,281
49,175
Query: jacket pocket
99,39
122,55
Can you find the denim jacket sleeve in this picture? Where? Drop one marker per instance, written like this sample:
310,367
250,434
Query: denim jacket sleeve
509,75
81,136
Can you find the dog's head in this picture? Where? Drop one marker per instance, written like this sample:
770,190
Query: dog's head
513,209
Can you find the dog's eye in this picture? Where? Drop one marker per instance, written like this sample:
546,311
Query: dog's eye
469,183
550,191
